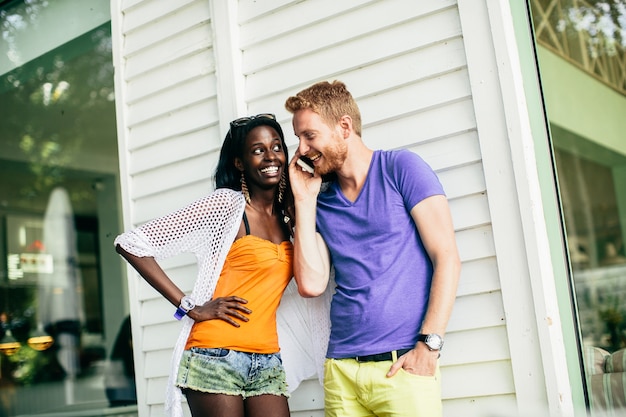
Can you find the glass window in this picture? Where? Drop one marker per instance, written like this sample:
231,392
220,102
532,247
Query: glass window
588,33
581,62
65,340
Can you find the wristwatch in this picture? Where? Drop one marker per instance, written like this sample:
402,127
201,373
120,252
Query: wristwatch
186,304
432,340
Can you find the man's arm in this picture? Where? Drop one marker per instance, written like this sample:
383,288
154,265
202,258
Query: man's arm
434,224
435,227
311,258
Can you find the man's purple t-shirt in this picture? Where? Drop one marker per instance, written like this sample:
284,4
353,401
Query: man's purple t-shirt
382,271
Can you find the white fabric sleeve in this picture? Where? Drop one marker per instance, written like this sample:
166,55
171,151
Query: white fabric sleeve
303,332
189,229
207,228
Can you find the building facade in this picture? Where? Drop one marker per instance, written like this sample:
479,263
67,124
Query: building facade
115,114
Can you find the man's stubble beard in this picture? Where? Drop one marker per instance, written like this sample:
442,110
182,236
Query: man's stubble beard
333,157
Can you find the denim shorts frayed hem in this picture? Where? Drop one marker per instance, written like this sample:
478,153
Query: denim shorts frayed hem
230,372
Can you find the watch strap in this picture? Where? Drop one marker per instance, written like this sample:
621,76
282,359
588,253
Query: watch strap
186,304
426,339
180,313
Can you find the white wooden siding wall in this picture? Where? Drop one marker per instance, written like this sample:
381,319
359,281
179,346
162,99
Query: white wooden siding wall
536,342
170,138
405,63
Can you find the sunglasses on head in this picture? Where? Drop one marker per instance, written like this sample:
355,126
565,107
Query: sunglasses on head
242,121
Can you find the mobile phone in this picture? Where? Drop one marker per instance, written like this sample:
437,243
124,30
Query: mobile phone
306,164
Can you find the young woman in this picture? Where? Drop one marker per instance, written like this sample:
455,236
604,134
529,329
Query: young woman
227,360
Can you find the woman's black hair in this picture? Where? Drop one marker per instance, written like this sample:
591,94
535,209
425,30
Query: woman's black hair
228,176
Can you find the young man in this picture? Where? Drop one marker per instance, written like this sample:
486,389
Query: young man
384,224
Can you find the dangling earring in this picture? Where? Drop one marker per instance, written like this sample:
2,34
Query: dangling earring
281,187
244,188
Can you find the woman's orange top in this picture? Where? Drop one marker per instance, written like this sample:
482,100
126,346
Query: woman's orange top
257,270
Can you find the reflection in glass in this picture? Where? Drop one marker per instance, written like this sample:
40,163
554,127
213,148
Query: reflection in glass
9,345
588,33
59,152
593,196
596,246
590,159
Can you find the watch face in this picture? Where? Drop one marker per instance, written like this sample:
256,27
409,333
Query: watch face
187,303
434,341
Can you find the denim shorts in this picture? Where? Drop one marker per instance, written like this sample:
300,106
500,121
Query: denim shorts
230,372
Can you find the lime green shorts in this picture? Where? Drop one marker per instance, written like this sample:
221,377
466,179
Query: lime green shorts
360,389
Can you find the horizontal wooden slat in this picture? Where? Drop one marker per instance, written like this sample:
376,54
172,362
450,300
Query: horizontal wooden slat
298,69
475,243
407,68
503,405
142,33
345,30
155,181
201,144
469,211
478,276
184,276
309,396
460,148
490,378
153,205
463,180
181,95
316,413
413,98
200,64
468,347
184,44
189,119
422,126
146,12
250,9
157,363
177,149
477,311
185,268
265,20
158,410
161,336
145,291
155,390
168,176
157,308
127,5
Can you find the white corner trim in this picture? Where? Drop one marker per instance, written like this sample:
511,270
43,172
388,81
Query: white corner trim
228,62
532,214
121,111
529,204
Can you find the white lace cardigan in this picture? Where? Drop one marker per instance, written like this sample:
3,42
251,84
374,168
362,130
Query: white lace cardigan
207,228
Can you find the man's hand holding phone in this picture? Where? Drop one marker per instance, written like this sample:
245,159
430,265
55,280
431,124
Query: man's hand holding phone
306,164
